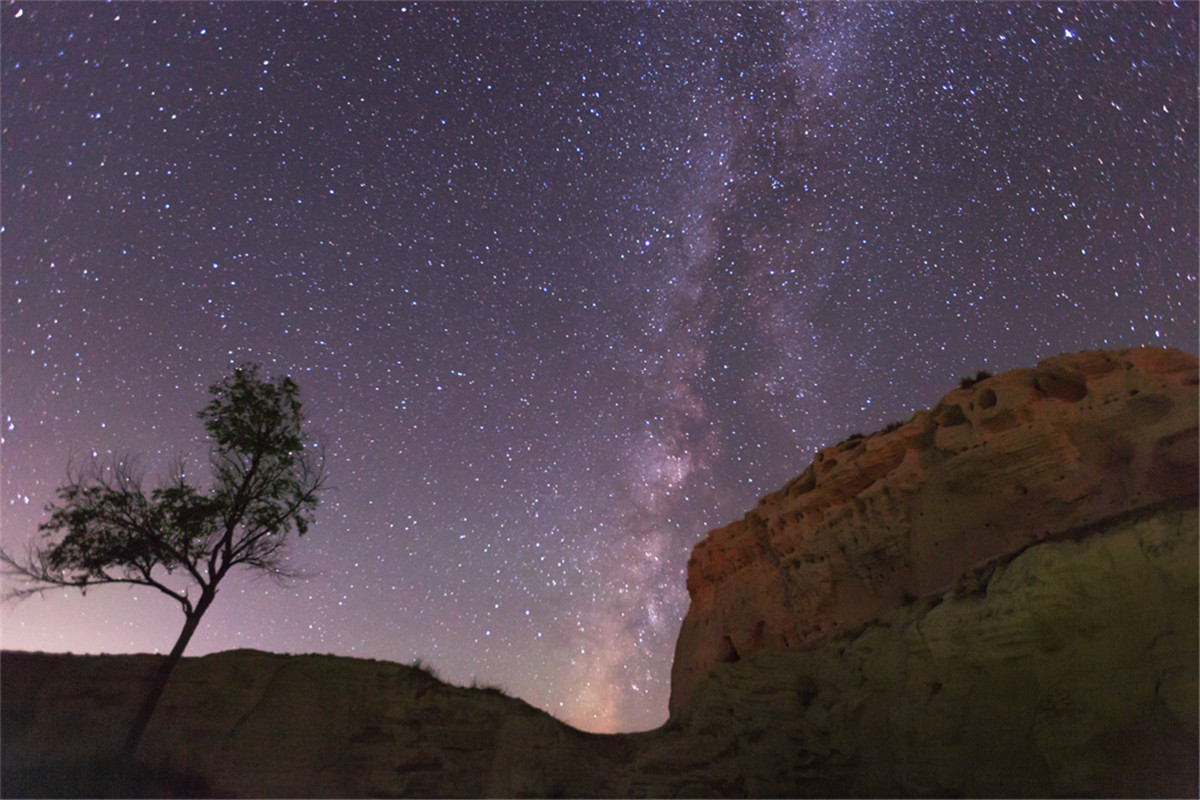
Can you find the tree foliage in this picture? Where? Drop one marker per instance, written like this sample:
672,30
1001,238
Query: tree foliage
105,528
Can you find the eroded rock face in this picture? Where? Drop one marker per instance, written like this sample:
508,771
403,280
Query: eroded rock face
1069,670
1026,456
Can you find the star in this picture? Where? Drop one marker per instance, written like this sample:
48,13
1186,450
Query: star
564,286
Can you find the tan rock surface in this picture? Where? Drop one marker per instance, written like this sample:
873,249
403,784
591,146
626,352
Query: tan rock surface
1025,456
1069,670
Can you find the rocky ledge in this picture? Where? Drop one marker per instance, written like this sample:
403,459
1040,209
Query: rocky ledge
998,597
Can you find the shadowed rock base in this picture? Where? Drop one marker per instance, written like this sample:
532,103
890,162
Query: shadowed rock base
104,778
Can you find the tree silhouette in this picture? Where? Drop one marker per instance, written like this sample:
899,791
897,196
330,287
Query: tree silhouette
180,539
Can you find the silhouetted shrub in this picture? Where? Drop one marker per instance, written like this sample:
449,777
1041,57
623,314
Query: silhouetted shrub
981,375
422,667
891,426
854,437
488,688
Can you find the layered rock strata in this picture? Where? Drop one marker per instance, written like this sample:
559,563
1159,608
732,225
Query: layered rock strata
1023,457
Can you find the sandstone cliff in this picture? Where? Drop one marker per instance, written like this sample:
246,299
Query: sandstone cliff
999,597
1023,457
1069,670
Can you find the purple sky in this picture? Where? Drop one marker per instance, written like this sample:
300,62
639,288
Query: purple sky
564,286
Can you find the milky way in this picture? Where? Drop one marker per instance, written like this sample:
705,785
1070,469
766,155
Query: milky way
564,286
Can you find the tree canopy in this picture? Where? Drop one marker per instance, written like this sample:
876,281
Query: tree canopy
105,528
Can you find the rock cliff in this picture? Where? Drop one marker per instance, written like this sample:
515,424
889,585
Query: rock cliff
1027,456
1068,670
998,597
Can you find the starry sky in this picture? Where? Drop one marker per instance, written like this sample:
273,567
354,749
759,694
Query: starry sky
564,285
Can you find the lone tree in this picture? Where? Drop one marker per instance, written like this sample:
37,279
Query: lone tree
180,539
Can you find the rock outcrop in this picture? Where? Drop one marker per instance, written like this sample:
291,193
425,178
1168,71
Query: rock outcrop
1027,456
1069,670
999,597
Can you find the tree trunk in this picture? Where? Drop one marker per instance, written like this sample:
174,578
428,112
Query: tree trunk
162,675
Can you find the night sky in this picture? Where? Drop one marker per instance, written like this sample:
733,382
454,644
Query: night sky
564,286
